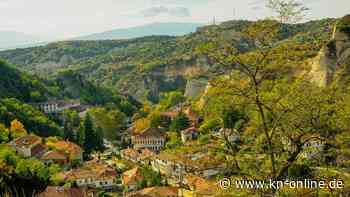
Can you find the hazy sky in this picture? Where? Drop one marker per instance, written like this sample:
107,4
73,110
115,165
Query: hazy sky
69,18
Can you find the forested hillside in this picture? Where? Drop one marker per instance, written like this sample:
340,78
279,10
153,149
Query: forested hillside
145,67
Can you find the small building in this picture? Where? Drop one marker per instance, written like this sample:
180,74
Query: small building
200,187
313,149
146,156
189,134
130,155
93,174
53,191
232,135
28,146
72,150
194,118
132,178
56,157
150,138
186,109
53,107
175,167
155,192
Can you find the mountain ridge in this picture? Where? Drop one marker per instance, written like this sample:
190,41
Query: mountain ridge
170,29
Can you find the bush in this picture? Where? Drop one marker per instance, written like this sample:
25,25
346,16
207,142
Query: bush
299,171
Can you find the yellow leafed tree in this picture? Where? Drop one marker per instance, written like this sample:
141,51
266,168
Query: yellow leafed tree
17,129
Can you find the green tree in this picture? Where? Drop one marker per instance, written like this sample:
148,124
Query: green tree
171,99
93,137
288,11
231,117
4,134
111,121
90,140
180,123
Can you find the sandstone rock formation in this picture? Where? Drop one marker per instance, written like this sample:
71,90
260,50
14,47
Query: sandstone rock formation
333,61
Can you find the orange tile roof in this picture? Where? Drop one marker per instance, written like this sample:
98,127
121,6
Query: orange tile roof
129,152
91,170
170,114
132,176
70,147
201,163
156,192
146,153
54,155
63,192
201,186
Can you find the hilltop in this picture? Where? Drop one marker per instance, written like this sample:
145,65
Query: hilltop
170,29
146,67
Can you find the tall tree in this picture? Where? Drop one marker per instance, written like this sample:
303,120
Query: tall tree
180,122
288,11
90,136
281,108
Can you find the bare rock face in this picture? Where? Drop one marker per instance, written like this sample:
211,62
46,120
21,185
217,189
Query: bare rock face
195,88
332,61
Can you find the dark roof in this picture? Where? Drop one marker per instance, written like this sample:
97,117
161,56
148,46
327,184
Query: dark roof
38,150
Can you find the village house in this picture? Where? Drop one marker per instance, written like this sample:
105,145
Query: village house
29,146
198,186
56,157
72,150
175,167
189,134
312,149
138,156
52,107
155,192
53,191
145,157
150,138
186,109
130,155
93,174
132,178
232,135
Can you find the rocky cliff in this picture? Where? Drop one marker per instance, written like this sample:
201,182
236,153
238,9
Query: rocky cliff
333,61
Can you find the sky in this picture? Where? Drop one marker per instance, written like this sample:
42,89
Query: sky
70,18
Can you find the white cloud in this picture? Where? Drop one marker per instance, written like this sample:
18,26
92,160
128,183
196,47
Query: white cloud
161,10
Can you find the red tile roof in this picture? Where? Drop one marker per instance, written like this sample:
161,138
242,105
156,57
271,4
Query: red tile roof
132,176
91,170
156,192
54,155
69,147
169,114
146,153
131,153
27,141
201,186
63,192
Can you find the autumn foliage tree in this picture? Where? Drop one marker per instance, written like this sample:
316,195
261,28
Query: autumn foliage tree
17,129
